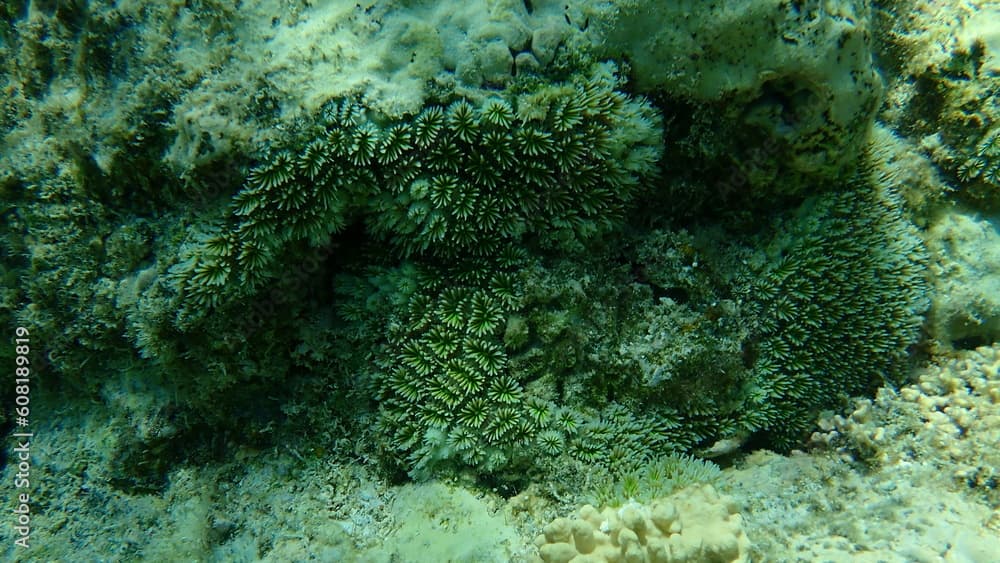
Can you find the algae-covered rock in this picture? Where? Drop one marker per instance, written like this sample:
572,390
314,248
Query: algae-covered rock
965,260
796,78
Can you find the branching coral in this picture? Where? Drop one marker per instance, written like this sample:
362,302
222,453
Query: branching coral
949,102
560,164
838,304
459,191
738,342
444,390
477,300
984,165
572,358
658,478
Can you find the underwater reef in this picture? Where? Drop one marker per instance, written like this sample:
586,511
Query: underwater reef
559,253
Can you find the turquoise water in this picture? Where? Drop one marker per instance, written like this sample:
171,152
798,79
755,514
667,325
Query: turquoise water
500,281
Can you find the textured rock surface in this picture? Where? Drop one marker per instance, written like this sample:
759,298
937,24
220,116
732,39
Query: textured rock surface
965,264
801,72
823,508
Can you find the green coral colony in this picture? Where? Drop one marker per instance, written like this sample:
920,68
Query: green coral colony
476,201
487,296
